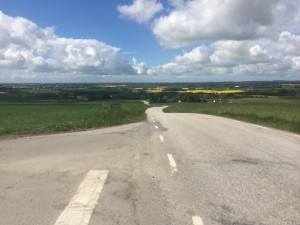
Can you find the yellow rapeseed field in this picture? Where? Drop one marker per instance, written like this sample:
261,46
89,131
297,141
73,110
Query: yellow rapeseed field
156,90
213,91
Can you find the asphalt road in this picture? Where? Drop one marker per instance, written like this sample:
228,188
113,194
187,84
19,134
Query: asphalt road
177,169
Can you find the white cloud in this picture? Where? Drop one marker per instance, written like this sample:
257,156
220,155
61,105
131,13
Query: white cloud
197,55
286,15
296,63
197,21
230,53
256,51
259,37
200,20
23,45
141,11
169,69
235,37
11,57
195,62
289,43
230,58
140,68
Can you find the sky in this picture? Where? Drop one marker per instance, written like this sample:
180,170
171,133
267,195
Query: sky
149,40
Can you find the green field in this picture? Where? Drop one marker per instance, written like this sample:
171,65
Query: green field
277,113
50,108
51,117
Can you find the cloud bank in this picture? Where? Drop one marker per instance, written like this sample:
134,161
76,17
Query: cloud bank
234,37
197,21
24,45
194,21
256,57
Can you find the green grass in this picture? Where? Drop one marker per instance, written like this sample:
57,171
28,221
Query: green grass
277,113
52,117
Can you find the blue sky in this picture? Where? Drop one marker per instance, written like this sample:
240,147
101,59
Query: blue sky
170,40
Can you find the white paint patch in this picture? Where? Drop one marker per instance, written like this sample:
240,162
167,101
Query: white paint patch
153,121
83,203
161,138
261,127
197,220
172,163
156,127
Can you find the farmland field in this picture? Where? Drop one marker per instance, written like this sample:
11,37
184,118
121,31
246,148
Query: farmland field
51,117
50,108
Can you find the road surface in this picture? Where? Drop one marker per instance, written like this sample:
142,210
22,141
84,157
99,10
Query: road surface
177,169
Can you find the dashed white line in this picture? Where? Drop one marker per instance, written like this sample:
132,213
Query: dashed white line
197,220
81,206
156,127
153,121
172,163
161,138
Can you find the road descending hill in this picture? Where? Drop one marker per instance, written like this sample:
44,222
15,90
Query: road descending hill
177,169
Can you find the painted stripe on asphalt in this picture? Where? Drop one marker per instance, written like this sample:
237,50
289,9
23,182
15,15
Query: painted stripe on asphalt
81,206
197,220
161,138
156,127
172,163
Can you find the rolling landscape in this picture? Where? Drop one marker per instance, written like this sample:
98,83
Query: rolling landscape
150,112
49,108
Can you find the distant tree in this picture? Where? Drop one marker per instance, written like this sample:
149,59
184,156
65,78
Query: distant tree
190,97
157,98
65,95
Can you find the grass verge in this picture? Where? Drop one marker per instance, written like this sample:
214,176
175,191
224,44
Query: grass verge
52,117
277,113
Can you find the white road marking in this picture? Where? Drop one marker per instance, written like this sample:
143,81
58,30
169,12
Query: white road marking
161,138
153,121
261,127
197,220
156,127
81,206
172,163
